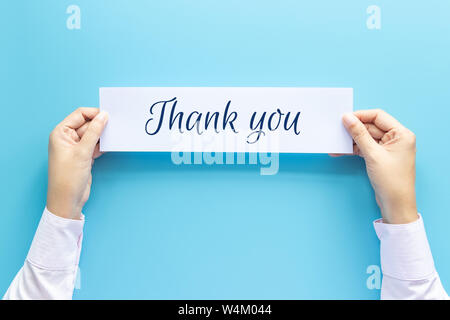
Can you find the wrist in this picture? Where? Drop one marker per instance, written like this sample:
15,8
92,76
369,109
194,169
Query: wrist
63,207
399,212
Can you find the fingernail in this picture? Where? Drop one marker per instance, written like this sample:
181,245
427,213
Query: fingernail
349,119
102,116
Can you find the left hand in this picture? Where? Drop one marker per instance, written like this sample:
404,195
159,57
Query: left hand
72,148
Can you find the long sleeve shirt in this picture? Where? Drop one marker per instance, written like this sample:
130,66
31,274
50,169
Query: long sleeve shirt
49,271
406,262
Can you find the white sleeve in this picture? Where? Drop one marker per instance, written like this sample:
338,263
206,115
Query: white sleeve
406,262
49,271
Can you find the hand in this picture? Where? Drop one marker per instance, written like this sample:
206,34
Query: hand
72,148
389,150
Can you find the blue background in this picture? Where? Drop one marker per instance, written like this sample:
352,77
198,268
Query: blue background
157,230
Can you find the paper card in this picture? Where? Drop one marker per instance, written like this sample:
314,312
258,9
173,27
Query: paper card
256,119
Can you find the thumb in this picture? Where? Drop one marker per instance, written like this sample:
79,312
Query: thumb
359,133
94,131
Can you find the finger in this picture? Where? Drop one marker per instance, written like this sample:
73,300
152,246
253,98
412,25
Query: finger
79,117
386,138
359,133
378,117
93,132
390,136
97,152
81,130
374,131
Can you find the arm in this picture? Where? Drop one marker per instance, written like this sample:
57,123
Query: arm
389,151
407,263
50,269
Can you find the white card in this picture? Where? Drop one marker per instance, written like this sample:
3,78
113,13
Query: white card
256,119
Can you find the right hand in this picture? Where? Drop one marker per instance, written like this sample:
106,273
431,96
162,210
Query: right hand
389,150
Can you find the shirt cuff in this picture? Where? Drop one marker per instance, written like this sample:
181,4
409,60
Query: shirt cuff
405,252
57,242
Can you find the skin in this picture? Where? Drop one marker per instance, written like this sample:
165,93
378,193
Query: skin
73,146
388,148
389,151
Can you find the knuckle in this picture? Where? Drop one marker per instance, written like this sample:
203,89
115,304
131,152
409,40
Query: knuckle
353,127
357,136
94,129
382,113
395,132
97,127
96,124
358,132
411,137
379,110
53,135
